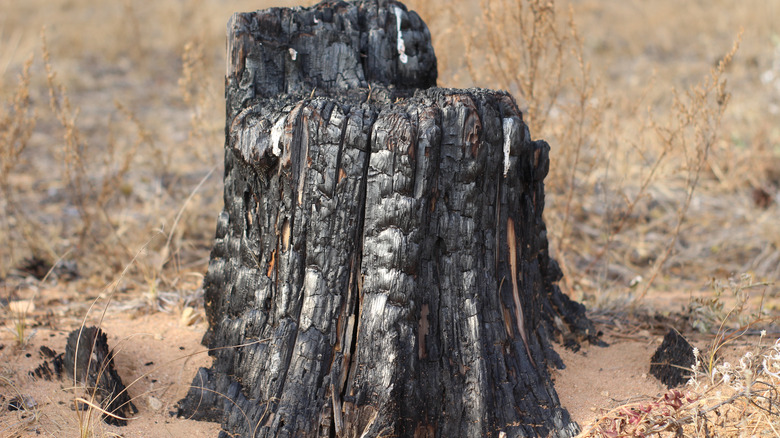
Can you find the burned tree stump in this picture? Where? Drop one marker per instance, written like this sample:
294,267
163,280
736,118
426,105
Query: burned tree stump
381,265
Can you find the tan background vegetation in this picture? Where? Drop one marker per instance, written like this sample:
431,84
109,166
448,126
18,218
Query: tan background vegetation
665,172
144,80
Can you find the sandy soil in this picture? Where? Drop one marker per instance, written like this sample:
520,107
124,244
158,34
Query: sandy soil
157,356
597,378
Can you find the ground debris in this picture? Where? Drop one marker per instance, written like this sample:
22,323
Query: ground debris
672,362
88,360
22,402
44,371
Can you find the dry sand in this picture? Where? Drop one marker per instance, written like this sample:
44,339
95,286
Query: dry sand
157,358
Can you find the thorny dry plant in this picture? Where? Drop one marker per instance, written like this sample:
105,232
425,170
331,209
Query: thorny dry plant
693,132
17,121
100,183
607,165
709,314
722,400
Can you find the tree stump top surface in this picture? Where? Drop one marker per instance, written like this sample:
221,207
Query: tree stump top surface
334,48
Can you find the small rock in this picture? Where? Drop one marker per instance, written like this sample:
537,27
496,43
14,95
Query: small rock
188,317
21,307
154,403
22,402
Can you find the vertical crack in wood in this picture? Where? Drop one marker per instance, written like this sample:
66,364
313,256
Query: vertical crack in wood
499,186
356,289
339,173
338,421
302,148
510,237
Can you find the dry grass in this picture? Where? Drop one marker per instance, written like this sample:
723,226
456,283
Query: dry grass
27,414
663,176
666,153
125,141
720,399
132,126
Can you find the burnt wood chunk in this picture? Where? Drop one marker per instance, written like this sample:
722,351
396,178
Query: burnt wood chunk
88,362
673,360
381,265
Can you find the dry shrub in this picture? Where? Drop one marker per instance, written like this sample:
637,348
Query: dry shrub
16,124
17,121
522,47
197,89
113,194
624,171
90,186
711,313
693,131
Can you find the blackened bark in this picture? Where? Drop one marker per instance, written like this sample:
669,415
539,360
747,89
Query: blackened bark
88,361
381,265
673,361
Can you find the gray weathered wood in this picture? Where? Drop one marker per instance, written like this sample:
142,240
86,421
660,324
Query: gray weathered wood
381,265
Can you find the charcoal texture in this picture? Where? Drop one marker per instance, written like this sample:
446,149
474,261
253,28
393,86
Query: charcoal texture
89,362
381,265
673,360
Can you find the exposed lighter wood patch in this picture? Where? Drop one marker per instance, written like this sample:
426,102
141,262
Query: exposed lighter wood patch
510,237
277,132
507,324
508,127
337,412
272,263
286,235
400,46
